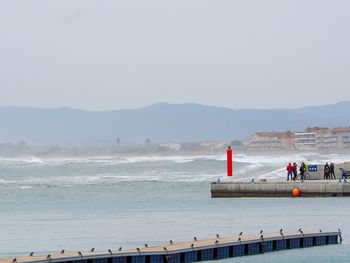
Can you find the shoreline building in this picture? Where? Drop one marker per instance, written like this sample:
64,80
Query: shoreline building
310,139
305,140
267,141
338,138
170,147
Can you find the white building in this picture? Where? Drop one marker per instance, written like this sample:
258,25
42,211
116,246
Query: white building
305,140
170,147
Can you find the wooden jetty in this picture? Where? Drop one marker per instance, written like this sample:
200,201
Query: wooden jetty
315,188
194,251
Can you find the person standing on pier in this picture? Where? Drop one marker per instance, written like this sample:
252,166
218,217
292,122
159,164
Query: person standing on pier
326,171
302,172
295,171
331,171
289,172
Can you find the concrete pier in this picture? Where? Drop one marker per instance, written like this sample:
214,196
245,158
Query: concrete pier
194,251
315,188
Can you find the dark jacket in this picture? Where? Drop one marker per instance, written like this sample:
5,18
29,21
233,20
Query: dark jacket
295,169
326,169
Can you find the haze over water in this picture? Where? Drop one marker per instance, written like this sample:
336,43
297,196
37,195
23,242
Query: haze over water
106,202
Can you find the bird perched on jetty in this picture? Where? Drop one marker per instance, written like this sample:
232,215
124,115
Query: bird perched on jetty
240,233
138,250
120,249
165,249
216,242
48,256
62,251
281,232
14,260
239,239
171,242
110,251
31,254
301,231
195,239
79,253
192,245
92,250
217,235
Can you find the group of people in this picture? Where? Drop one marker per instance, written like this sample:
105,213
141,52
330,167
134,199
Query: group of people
329,171
292,171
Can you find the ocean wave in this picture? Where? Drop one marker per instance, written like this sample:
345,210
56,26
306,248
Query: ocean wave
28,160
239,158
68,172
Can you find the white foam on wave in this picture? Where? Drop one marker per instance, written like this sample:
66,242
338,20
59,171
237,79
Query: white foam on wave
25,187
26,160
107,169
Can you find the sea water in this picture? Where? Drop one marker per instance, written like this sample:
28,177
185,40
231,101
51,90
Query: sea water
49,204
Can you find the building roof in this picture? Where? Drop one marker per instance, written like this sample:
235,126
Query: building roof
275,134
340,130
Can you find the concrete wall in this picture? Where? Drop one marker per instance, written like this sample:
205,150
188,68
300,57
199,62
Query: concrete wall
279,189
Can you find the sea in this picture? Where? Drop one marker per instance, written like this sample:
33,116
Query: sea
79,203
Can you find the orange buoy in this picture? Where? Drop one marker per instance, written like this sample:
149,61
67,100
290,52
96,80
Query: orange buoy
296,192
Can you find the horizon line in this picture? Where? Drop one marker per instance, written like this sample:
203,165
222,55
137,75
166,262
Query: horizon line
172,104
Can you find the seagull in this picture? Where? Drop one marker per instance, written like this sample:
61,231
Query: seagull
110,251
301,231
281,230
195,239
31,254
240,233
171,242
192,245
146,245
92,250
216,242
217,235
262,236
48,256
165,249
79,253
120,249
261,231
138,250
62,251
239,239
14,260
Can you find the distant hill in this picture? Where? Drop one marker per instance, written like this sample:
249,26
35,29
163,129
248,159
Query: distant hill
159,122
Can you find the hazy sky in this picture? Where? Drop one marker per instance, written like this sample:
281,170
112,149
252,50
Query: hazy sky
113,54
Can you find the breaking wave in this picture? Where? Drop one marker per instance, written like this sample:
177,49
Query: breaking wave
66,172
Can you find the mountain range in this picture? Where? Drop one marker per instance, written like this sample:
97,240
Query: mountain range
160,122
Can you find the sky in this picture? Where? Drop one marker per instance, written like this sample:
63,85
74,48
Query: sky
111,54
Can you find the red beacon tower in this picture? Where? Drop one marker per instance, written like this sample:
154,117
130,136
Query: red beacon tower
229,161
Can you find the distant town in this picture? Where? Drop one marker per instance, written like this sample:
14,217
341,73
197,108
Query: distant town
316,138
311,139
